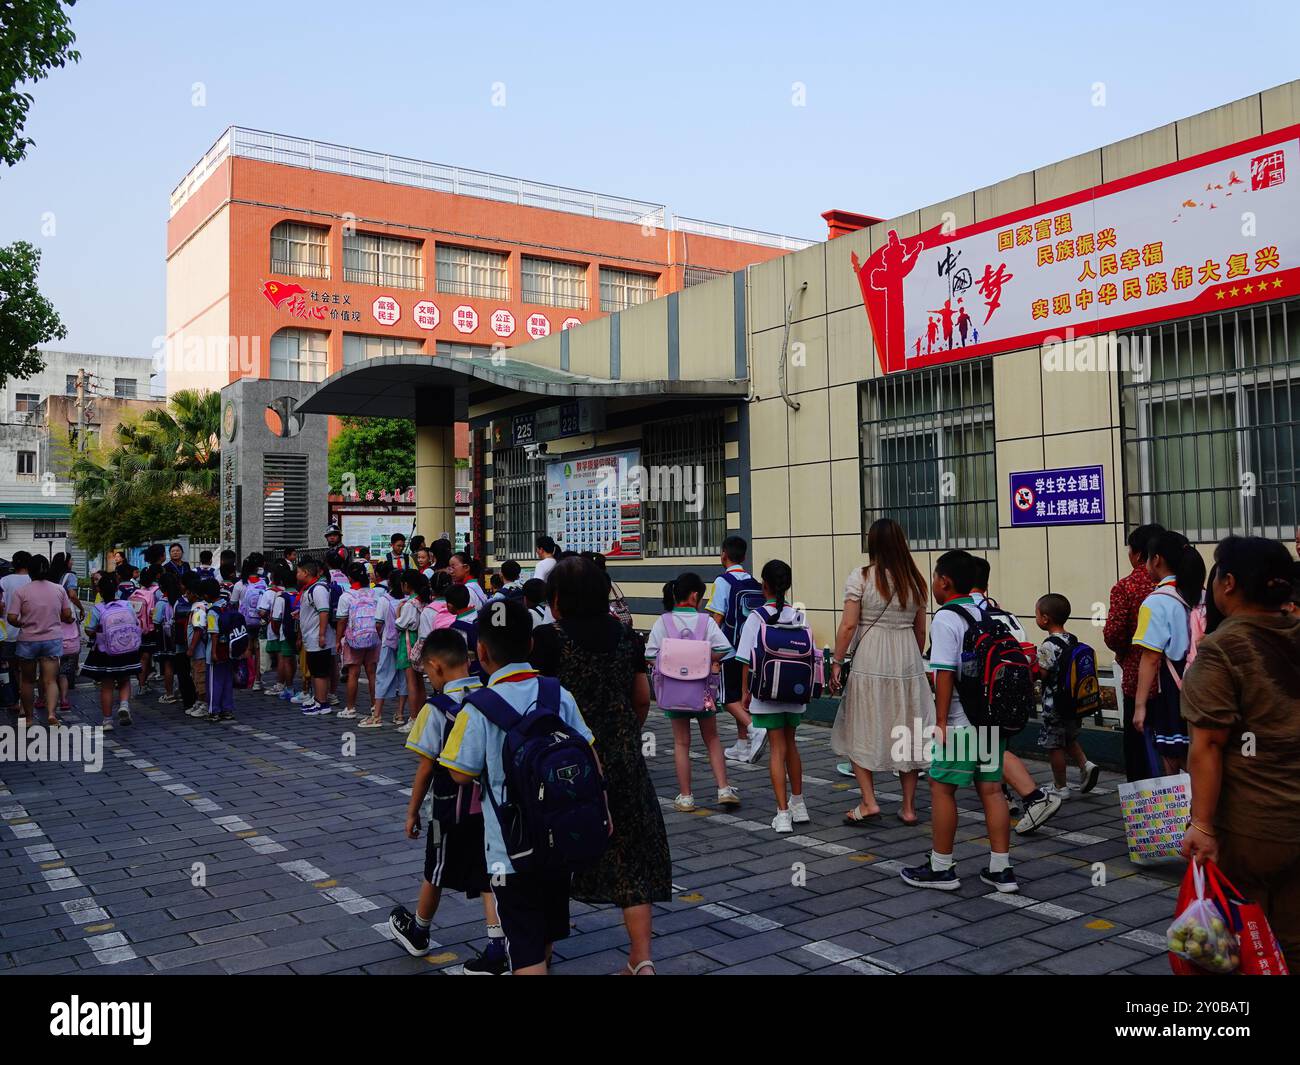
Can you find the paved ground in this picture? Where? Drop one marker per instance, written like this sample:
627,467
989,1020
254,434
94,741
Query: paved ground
268,846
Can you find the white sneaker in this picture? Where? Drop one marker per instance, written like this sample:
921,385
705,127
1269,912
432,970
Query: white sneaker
106,724
197,710
405,726
1088,777
1062,793
257,686
799,811
757,738
783,822
301,699
728,796
334,700
740,752
124,713
684,803
274,689
349,713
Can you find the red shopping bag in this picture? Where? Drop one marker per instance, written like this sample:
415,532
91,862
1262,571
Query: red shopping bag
1260,953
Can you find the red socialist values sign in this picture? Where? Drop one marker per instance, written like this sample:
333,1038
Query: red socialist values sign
426,314
464,318
502,322
387,311
293,299
1206,233
538,326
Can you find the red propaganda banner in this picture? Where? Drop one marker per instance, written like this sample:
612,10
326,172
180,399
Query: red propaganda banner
1211,232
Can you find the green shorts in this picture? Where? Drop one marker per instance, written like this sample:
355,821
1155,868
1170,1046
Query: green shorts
280,647
689,715
962,763
776,721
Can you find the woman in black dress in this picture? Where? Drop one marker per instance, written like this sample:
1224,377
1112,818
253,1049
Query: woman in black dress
602,663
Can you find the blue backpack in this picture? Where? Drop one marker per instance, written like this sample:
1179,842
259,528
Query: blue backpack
555,817
469,630
232,634
746,596
786,664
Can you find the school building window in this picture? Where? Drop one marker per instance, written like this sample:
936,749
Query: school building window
555,284
70,385
928,457
44,528
299,355
300,250
358,348
457,350
518,503
620,289
472,272
391,262
26,402
1211,410
124,388
27,465
685,467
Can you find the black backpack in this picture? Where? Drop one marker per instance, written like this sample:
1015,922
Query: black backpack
994,680
555,817
449,801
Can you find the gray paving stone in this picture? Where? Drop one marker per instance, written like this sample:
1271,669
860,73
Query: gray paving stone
739,951
917,953
1106,957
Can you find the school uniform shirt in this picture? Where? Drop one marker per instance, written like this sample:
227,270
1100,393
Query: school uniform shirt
431,729
474,747
267,600
543,568
1162,623
429,615
212,627
386,617
477,597
541,615
315,603
199,610
745,646
721,598
947,634
687,616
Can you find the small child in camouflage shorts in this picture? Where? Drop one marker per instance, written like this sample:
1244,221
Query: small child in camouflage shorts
1059,734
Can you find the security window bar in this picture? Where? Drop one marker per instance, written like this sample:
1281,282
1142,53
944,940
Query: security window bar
620,289
299,355
284,499
1211,412
928,456
472,272
359,348
518,503
690,517
698,275
555,284
299,250
387,262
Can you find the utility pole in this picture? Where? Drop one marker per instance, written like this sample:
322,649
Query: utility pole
81,410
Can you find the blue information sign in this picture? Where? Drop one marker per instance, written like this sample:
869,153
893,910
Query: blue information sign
1075,495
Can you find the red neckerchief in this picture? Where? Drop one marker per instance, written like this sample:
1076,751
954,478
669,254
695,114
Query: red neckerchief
512,678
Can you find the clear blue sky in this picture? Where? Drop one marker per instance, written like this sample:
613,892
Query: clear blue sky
687,104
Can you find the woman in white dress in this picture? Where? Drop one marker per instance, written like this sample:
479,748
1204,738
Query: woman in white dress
887,703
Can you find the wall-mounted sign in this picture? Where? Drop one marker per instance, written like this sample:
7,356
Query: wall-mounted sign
1204,234
574,418
464,318
387,311
590,505
229,419
569,323
1074,495
502,322
426,314
538,326
314,305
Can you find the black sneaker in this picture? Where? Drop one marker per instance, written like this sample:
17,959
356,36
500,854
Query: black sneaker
1004,881
213,718
491,962
226,715
926,876
413,938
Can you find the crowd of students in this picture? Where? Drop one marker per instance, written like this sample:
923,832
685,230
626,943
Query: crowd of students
469,671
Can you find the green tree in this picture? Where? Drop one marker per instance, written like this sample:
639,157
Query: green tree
27,319
35,37
372,455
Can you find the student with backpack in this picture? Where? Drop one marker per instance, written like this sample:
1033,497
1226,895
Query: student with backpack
684,651
114,658
227,646
205,592
979,684
204,569
536,599
280,608
412,618
781,674
1164,638
358,634
247,595
523,740
316,614
143,598
736,594
1070,692
390,682
164,625
454,855
182,666
465,621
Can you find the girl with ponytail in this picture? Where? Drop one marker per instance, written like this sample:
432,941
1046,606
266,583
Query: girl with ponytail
1164,637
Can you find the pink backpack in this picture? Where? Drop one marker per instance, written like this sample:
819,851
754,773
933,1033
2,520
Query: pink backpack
119,629
683,675
361,633
145,597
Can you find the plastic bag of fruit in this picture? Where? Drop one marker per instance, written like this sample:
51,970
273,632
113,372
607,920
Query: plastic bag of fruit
1202,930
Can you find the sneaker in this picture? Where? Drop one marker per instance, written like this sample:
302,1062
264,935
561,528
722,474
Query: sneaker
926,876
214,719
799,811
1004,881
287,696
1088,777
783,822
491,962
274,689
757,739
413,938
684,803
316,710
197,710
257,686
123,714
348,713
1062,793
334,700
369,722
301,699
739,752
226,715
728,796
1037,813
405,727
107,724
